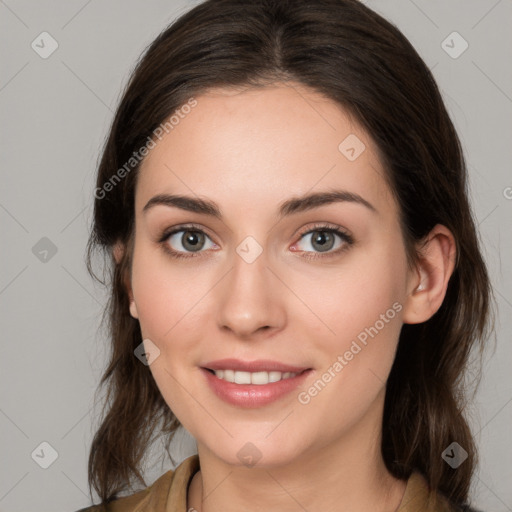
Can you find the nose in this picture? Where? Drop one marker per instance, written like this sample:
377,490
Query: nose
250,299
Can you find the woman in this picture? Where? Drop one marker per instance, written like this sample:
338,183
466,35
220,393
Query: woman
296,274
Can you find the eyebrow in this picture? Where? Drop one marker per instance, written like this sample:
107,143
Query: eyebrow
288,207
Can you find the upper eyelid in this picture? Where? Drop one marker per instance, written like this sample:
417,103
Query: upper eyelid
302,231
320,226
166,233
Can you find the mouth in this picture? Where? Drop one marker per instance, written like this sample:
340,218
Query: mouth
257,378
252,384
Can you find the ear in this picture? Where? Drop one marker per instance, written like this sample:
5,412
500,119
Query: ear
118,253
428,282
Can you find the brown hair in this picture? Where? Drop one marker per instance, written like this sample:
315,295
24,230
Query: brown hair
356,58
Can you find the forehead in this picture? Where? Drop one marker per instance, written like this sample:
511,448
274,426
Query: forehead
263,145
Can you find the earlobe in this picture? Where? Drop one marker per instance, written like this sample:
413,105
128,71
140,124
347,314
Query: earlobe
429,282
133,309
118,251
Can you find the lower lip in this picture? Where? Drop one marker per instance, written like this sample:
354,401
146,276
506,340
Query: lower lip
253,395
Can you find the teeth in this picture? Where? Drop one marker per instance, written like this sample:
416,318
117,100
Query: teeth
242,378
258,378
274,376
229,375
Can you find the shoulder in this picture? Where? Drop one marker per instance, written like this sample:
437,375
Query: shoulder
172,483
418,497
130,503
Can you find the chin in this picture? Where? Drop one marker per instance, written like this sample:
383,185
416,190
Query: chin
258,449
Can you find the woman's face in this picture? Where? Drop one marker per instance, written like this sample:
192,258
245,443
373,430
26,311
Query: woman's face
263,280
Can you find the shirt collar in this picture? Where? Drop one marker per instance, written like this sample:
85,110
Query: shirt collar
174,484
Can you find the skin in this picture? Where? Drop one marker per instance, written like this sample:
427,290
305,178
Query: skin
248,150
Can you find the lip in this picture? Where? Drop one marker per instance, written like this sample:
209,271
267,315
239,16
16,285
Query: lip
251,396
261,365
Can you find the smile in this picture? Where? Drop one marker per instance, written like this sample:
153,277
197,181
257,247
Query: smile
253,384
258,378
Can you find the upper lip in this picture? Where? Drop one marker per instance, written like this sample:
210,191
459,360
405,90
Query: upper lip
261,365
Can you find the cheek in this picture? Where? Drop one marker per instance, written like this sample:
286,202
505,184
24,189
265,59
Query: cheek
360,307
352,296
165,296
355,355
165,299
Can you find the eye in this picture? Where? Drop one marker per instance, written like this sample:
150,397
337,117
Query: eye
190,241
184,241
323,239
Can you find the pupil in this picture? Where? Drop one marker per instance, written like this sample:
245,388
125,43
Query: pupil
192,240
323,238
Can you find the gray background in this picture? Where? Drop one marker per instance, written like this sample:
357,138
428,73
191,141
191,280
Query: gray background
56,112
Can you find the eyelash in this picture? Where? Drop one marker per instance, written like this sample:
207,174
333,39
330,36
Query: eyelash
329,228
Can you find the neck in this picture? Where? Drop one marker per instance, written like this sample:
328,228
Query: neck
347,474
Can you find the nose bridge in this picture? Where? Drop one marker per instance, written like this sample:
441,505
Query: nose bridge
249,300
